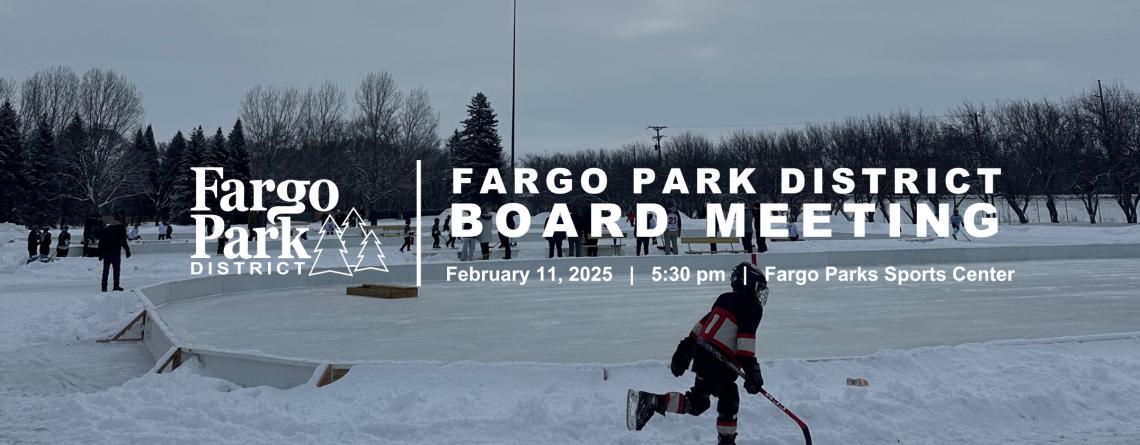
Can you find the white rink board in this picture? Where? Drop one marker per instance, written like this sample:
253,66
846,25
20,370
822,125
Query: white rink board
617,323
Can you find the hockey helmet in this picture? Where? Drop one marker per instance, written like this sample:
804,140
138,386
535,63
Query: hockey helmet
747,278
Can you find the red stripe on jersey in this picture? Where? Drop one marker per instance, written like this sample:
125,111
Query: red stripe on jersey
725,313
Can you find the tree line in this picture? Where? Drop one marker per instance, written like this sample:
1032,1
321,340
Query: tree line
1086,146
74,145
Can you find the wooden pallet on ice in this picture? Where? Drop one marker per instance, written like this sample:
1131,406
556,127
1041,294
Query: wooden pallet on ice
383,291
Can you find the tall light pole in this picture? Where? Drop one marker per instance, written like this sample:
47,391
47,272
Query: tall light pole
514,44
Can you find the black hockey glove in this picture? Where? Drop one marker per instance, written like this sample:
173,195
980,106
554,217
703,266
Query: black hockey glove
682,357
753,380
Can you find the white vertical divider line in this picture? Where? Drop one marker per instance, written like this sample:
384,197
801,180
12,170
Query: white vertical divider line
419,226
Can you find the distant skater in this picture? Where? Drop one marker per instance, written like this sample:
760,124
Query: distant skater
435,234
956,223
409,235
450,235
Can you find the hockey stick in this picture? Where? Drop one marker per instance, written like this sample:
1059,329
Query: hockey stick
740,372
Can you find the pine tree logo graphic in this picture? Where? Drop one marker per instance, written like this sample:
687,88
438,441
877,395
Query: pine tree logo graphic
369,248
328,242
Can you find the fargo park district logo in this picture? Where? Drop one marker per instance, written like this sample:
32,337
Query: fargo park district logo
246,251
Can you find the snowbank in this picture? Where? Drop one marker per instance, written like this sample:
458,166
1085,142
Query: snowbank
991,393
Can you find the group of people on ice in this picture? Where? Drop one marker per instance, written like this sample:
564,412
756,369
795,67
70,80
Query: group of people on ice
39,244
479,246
482,241
105,238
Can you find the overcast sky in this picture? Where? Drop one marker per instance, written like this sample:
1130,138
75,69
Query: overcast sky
592,73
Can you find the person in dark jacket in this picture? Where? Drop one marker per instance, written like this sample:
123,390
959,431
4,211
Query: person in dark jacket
554,242
112,239
45,243
63,242
450,236
222,240
435,234
409,235
90,237
33,242
504,241
579,223
722,340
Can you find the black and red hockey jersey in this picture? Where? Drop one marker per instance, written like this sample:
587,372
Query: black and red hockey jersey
731,327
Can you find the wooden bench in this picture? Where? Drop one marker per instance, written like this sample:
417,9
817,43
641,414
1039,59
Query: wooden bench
389,230
733,244
388,291
614,249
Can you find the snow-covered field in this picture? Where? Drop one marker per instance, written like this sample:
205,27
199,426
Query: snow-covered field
56,386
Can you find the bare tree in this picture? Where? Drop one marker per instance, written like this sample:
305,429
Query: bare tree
378,103
53,92
322,114
321,134
271,116
1113,114
96,170
374,148
109,103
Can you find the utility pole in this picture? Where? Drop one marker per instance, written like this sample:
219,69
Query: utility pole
1103,109
514,45
657,140
980,151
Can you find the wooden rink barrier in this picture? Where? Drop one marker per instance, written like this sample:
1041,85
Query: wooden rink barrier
389,291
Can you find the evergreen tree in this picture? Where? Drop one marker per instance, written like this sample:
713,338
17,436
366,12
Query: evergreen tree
193,156
144,173
238,158
72,149
218,153
181,185
149,155
455,147
11,163
480,147
39,182
195,151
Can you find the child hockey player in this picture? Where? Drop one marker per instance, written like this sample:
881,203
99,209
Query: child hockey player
33,243
730,329
956,223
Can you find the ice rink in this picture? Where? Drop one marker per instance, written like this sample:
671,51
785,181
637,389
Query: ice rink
618,323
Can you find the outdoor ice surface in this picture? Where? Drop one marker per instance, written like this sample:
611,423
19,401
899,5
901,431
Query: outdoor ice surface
617,323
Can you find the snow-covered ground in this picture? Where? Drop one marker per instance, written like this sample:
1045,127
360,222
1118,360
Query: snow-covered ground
56,386
1063,393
